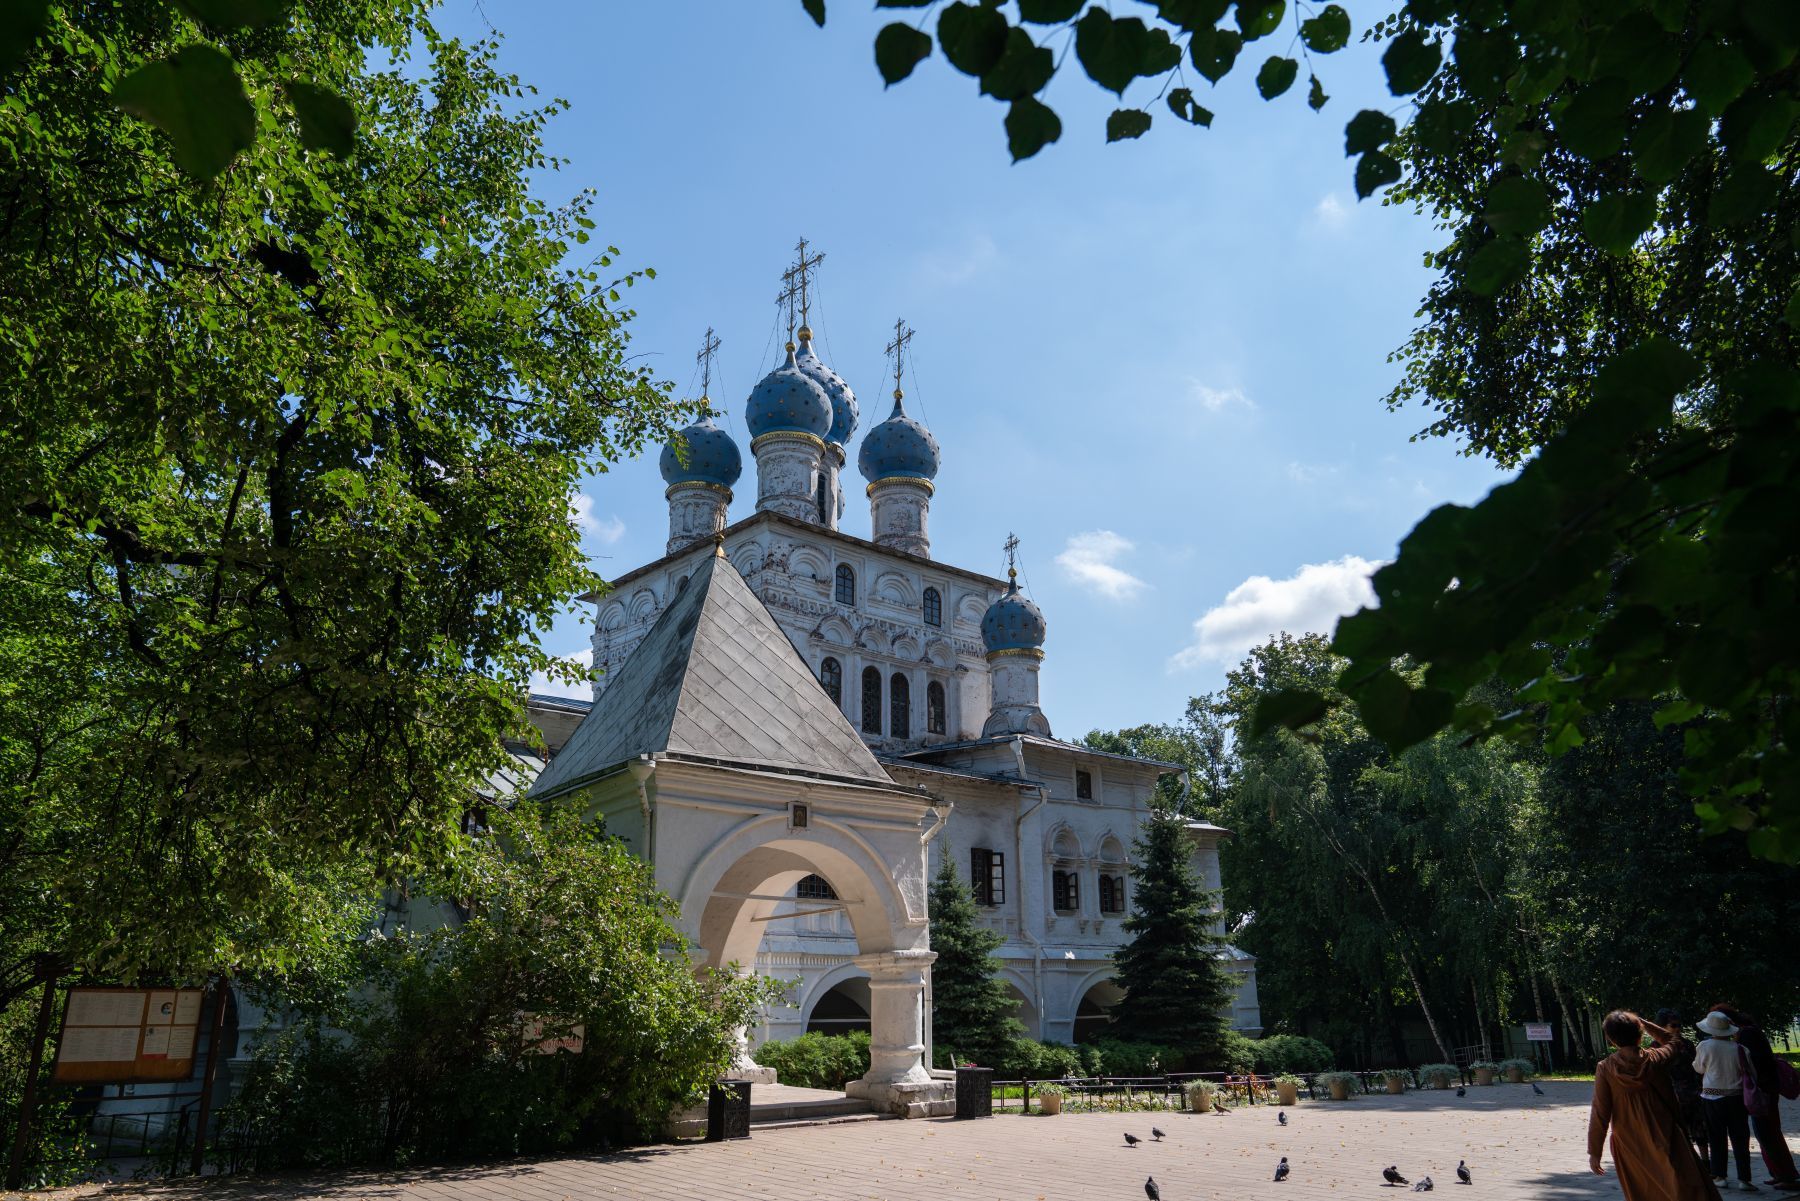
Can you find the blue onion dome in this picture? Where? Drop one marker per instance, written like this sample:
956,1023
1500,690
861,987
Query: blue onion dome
898,446
788,401
712,457
843,400
1013,622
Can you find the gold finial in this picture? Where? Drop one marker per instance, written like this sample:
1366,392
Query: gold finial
709,346
719,546
896,350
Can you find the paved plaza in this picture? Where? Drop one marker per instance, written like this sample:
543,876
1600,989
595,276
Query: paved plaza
1519,1146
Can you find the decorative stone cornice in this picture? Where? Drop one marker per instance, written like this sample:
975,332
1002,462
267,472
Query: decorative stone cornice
773,436
913,480
1023,652
707,485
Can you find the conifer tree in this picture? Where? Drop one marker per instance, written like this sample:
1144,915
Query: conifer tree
1174,979
972,1011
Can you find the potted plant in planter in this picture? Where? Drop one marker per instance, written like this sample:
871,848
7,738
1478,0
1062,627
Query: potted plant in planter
1438,1075
1517,1070
1396,1079
1340,1085
1484,1070
1200,1095
1050,1098
1287,1088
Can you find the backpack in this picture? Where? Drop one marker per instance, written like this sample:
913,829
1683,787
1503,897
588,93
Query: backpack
1787,1080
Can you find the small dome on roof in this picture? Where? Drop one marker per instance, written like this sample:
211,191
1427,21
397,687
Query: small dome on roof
898,447
1014,622
788,400
843,400
712,457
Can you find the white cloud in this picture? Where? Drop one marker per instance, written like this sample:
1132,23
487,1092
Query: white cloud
1311,473
951,268
1309,601
607,529
1090,559
1330,212
1217,400
580,691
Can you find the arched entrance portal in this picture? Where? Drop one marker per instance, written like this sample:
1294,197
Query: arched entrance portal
1093,1015
841,1009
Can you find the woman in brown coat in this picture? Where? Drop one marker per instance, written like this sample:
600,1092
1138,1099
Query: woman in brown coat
1650,1151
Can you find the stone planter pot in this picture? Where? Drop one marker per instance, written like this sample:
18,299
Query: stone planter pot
1484,1075
1515,1075
1050,1103
1395,1085
1340,1089
1437,1082
1200,1097
1287,1092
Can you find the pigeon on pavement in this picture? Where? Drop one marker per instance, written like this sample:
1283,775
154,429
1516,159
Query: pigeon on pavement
1132,1140
1282,1117
1219,1106
1281,1170
1462,1172
1151,1191
1392,1176
1461,1091
1536,1089
1156,1134
1424,1185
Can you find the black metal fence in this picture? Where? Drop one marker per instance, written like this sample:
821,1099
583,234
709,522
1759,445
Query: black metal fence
1172,1088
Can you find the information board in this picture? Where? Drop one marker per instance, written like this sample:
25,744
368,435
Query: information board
1538,1032
128,1035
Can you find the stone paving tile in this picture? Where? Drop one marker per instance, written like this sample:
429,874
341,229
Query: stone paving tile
1517,1144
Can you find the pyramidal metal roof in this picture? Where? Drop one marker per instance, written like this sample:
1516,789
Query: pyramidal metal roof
715,678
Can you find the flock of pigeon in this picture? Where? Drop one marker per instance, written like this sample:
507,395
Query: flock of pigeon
1390,1175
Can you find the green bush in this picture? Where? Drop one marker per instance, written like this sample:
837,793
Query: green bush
1028,1059
817,1060
1237,1055
1119,1057
1291,1053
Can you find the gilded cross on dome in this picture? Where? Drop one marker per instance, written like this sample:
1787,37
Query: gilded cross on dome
709,346
896,350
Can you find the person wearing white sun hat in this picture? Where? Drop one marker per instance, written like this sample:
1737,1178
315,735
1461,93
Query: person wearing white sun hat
1722,1093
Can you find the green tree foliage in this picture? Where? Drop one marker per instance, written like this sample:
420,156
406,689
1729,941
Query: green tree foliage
566,934
1197,745
1620,294
973,1013
1175,982
285,467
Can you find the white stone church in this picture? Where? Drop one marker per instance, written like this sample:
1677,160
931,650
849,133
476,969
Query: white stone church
795,725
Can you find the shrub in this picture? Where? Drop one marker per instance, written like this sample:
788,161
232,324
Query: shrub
817,1060
1524,1065
1484,1065
1118,1057
1028,1059
1439,1075
1292,1053
1237,1055
1348,1079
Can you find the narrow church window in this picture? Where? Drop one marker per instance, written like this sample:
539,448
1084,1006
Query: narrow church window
1112,894
987,876
900,696
846,585
815,888
1084,786
871,700
680,585
1065,891
934,607
831,675
824,499
934,708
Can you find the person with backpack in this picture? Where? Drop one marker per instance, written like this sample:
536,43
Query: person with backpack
1763,1087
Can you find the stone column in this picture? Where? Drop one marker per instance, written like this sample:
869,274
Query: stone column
788,464
896,1016
899,512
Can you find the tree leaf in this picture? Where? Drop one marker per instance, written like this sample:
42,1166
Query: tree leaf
1277,76
1615,223
236,14
1791,314
1410,62
195,97
327,122
1111,50
1368,130
1484,59
1494,266
1181,103
1375,170
1030,126
1592,122
1023,70
1127,123
1665,141
1439,124
1757,124
1214,51
21,21
898,49
973,37
1315,95
1259,18
1049,12
1328,32
1399,714
1516,205
816,10
1716,75
1286,709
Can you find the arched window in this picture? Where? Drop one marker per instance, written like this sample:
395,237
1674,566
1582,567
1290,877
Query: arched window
815,888
846,585
681,585
900,706
1112,893
934,607
1065,891
831,675
871,706
824,499
934,708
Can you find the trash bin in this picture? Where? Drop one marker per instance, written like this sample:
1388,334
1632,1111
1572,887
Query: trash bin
974,1092
728,1110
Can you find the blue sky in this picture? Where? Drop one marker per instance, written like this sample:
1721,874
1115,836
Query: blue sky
1160,363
